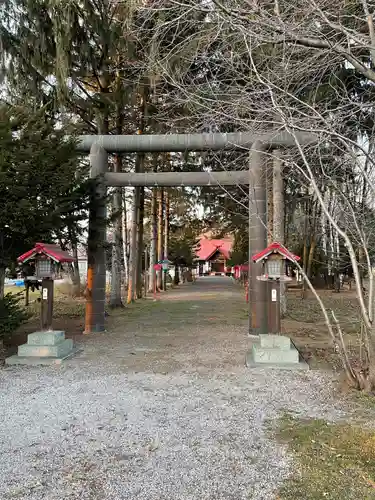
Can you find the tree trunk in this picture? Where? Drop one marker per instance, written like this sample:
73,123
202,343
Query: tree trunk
2,286
77,276
311,256
305,259
73,268
160,234
166,235
154,237
336,280
361,265
141,196
270,203
125,241
337,283
323,231
115,296
140,246
133,248
279,217
332,265
2,281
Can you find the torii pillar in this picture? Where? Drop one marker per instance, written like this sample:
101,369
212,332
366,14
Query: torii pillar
96,258
257,238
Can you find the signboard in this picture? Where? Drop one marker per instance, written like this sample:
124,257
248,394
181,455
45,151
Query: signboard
164,264
274,295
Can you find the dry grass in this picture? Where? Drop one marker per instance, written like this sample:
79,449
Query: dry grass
333,461
305,325
64,303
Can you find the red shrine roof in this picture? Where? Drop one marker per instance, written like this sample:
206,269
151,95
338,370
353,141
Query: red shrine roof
54,252
275,248
207,248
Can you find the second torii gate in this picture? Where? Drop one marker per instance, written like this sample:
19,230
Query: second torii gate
99,146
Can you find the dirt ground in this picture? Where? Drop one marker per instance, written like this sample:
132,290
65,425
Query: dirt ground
194,305
304,322
186,326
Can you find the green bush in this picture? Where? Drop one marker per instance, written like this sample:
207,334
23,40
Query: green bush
12,314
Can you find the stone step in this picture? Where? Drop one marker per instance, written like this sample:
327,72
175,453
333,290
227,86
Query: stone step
37,360
271,341
250,363
274,355
46,338
52,351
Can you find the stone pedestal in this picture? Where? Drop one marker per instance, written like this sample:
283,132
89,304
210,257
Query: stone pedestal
275,351
43,348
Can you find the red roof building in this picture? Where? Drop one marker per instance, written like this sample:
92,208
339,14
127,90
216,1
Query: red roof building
213,254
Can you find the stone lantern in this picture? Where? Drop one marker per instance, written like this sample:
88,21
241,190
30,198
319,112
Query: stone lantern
273,259
47,345
274,349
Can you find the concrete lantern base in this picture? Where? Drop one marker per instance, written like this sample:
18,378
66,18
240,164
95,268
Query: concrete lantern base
275,351
43,348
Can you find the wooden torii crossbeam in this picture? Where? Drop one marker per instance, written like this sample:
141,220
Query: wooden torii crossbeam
169,143
169,179
101,145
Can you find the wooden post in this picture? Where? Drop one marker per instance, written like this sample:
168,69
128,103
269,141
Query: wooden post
155,284
27,294
47,304
165,274
274,324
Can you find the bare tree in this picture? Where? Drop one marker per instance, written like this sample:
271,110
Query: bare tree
115,295
279,214
166,232
160,234
125,239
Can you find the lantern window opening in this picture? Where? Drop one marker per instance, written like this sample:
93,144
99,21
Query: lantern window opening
44,267
274,267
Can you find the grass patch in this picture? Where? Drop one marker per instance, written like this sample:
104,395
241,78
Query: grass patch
365,400
308,310
332,461
178,313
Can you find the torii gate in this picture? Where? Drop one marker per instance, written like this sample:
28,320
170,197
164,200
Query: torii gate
100,145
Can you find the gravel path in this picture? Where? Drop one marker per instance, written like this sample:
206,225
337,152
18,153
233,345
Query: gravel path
160,408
